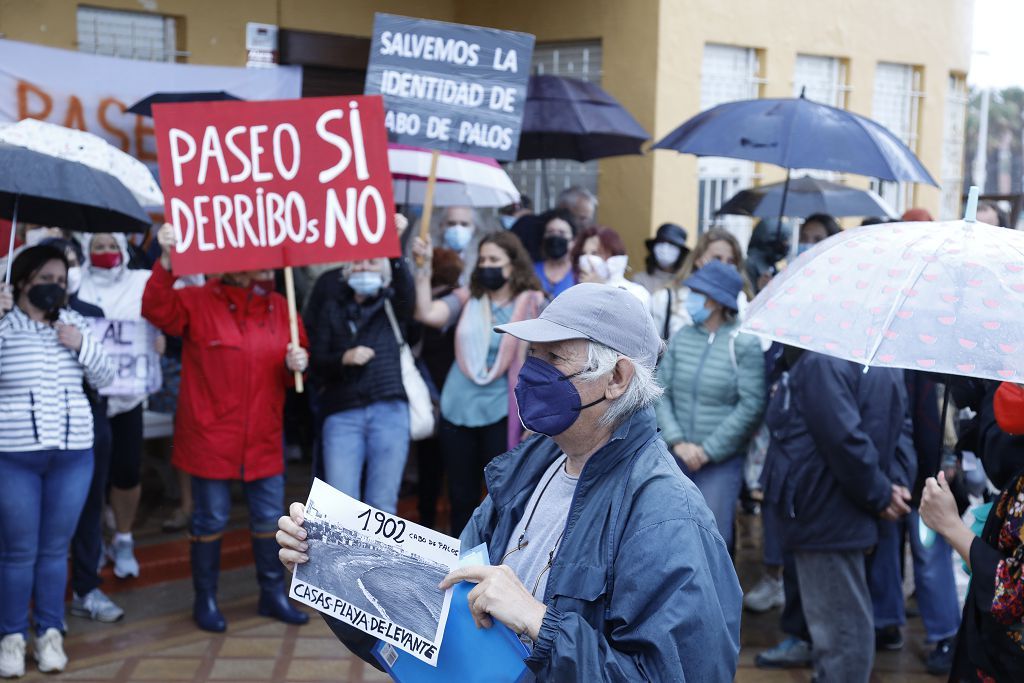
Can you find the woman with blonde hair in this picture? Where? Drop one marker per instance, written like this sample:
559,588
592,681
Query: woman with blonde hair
668,305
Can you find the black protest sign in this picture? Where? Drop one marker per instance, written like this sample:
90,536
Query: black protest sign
450,87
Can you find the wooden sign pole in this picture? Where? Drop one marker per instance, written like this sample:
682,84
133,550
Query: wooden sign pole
428,199
293,319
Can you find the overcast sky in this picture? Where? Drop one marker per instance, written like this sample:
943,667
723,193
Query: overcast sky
998,59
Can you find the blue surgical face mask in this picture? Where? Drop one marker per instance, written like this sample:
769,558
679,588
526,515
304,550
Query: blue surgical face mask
366,282
507,221
695,306
548,400
802,247
457,237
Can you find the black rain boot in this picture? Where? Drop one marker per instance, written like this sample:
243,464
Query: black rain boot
205,572
270,574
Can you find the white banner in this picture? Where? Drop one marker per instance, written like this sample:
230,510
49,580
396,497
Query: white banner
132,345
91,92
376,571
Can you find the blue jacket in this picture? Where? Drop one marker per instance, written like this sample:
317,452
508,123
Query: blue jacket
642,588
834,434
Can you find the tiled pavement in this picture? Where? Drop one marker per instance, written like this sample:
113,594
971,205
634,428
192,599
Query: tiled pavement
158,641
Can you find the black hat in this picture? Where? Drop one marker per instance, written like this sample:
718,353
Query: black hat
671,233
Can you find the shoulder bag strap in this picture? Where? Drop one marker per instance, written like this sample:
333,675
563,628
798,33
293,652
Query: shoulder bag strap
394,323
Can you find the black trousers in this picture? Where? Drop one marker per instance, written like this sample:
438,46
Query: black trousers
87,543
467,450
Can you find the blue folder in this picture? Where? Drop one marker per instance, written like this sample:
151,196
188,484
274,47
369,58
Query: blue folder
468,654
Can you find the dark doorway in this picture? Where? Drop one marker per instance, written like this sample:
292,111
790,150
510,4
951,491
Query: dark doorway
331,64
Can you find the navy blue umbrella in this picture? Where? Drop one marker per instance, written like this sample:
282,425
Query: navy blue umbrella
795,132
798,133
806,196
566,118
144,107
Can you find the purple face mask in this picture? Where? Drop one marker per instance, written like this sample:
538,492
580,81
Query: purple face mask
548,401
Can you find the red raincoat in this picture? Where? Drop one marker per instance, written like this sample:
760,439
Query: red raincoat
230,415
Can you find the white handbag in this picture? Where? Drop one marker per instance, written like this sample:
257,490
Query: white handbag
421,408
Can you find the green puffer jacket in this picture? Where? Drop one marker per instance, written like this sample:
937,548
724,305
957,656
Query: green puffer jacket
714,389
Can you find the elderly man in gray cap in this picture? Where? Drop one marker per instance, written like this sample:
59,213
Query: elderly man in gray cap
604,556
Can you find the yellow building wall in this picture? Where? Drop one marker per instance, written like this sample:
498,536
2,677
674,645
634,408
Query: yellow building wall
652,51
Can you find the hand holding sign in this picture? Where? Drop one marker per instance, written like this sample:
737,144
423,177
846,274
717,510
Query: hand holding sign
297,358
167,239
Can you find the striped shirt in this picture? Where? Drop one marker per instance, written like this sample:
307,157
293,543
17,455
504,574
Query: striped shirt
42,403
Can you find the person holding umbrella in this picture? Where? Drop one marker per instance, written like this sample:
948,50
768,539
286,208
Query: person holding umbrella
989,646
665,255
46,459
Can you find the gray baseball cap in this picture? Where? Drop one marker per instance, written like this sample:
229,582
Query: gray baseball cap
601,313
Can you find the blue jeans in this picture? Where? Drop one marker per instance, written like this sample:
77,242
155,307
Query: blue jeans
720,482
885,578
41,497
374,438
211,504
935,584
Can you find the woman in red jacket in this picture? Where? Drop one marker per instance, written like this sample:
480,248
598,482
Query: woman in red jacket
237,364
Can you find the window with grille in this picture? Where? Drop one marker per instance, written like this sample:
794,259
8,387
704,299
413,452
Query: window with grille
897,106
727,74
953,147
823,80
132,35
543,180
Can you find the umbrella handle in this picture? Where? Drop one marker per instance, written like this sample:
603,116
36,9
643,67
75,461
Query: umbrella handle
10,245
971,210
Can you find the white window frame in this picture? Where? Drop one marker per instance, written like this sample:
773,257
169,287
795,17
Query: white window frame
953,140
903,120
128,34
720,178
824,80
582,60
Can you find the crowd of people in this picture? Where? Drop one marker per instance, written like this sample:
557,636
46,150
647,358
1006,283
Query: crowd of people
532,336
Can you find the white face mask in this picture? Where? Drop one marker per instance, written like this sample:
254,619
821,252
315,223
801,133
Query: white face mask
457,237
666,254
611,269
74,279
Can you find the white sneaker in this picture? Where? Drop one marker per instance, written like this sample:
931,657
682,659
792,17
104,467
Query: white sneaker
12,656
123,555
49,651
767,595
97,606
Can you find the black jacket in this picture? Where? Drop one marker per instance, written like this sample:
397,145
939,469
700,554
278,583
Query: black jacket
834,433
343,324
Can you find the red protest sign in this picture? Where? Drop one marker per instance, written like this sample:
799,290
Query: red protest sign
253,185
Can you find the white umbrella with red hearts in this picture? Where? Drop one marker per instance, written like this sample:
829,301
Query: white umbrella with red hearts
943,297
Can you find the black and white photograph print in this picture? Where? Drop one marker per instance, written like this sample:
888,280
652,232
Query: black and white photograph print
385,567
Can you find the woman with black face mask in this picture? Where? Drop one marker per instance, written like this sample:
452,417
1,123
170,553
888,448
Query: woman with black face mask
555,272
478,405
989,645
46,457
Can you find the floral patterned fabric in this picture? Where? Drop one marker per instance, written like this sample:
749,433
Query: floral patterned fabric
1008,603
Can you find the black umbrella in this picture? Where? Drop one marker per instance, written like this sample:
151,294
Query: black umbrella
43,189
144,107
806,196
566,118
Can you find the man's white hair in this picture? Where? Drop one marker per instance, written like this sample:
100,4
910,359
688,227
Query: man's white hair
642,392
569,196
